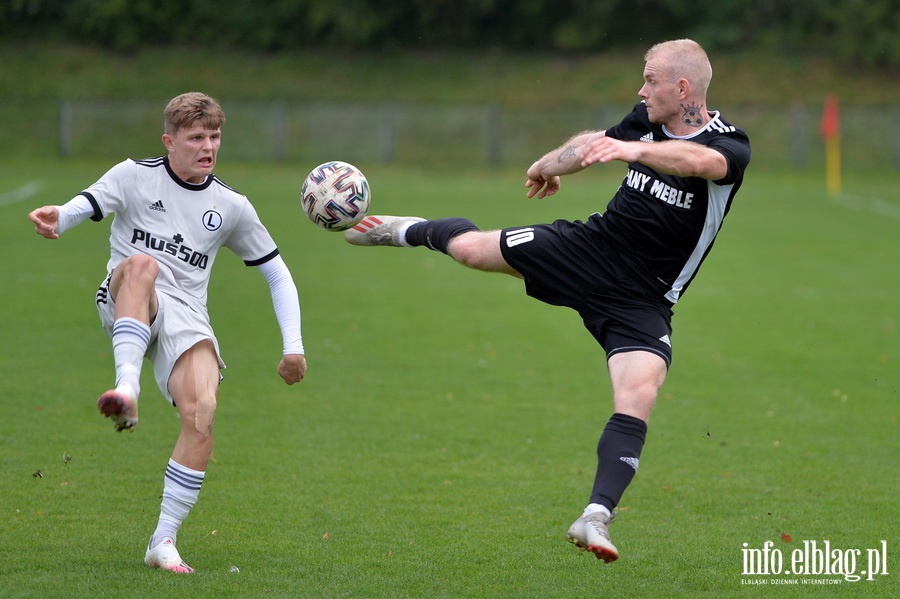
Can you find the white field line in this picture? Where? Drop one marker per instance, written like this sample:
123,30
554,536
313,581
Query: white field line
23,193
873,205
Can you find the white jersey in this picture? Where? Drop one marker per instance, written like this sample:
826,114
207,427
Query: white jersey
181,225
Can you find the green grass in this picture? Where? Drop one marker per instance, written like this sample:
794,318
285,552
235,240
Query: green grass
444,438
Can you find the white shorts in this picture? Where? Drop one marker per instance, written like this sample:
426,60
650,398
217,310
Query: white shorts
176,329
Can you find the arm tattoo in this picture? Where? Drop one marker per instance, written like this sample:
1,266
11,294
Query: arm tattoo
567,155
692,115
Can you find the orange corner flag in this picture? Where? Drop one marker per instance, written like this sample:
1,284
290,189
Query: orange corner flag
830,118
831,132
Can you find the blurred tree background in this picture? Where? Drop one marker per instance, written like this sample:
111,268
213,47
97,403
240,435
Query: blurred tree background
856,31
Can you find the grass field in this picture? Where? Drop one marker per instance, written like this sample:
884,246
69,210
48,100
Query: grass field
444,438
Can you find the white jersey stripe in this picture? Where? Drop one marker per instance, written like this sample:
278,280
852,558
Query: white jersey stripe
715,214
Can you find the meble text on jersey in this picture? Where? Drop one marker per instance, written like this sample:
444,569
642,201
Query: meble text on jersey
662,191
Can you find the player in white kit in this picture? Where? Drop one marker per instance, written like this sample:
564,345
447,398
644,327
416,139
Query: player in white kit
171,216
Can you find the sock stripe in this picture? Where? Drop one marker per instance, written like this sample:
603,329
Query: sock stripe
183,479
130,326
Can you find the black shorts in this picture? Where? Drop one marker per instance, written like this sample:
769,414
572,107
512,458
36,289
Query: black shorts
567,264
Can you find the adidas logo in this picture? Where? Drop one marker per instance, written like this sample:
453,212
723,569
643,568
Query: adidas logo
665,339
633,462
648,138
158,205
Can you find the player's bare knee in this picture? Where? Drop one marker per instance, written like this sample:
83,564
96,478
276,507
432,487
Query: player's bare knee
198,414
140,269
637,401
193,384
205,414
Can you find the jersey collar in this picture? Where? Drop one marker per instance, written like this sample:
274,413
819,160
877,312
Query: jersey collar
189,186
715,118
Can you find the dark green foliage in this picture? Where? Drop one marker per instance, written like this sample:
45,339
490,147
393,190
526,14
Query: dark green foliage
862,31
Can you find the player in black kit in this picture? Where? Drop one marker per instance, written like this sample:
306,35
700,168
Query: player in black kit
622,270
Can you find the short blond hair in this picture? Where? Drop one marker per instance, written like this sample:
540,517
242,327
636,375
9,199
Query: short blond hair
684,58
191,109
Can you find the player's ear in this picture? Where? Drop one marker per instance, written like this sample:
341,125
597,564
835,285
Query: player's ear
167,142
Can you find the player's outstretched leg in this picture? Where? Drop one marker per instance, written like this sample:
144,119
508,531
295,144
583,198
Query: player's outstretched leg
165,556
121,406
381,230
591,533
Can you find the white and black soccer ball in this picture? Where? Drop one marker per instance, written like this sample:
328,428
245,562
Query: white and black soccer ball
335,196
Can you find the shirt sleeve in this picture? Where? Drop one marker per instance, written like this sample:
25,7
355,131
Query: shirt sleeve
286,302
73,213
250,239
735,148
107,195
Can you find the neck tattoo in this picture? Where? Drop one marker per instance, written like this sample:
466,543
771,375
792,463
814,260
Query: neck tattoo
693,115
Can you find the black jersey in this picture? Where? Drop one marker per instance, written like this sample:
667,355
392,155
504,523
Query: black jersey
665,225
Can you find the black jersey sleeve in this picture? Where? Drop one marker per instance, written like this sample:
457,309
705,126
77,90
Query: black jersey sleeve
735,146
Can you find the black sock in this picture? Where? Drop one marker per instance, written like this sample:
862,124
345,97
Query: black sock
436,234
617,458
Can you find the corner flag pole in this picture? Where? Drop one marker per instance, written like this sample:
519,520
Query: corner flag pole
831,132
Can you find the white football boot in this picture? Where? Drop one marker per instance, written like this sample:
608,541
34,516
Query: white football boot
165,556
380,230
591,533
121,406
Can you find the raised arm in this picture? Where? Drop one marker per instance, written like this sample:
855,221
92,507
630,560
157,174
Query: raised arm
543,175
52,221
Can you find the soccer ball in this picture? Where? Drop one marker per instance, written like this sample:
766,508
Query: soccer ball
335,196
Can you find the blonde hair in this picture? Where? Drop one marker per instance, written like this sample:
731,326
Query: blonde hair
684,58
191,109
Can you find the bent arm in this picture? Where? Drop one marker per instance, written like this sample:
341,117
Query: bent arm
544,174
565,159
673,157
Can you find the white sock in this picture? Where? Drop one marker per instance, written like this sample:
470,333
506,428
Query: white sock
596,507
181,488
401,233
130,339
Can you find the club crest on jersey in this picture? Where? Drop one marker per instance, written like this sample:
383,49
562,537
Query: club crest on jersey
173,248
212,220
